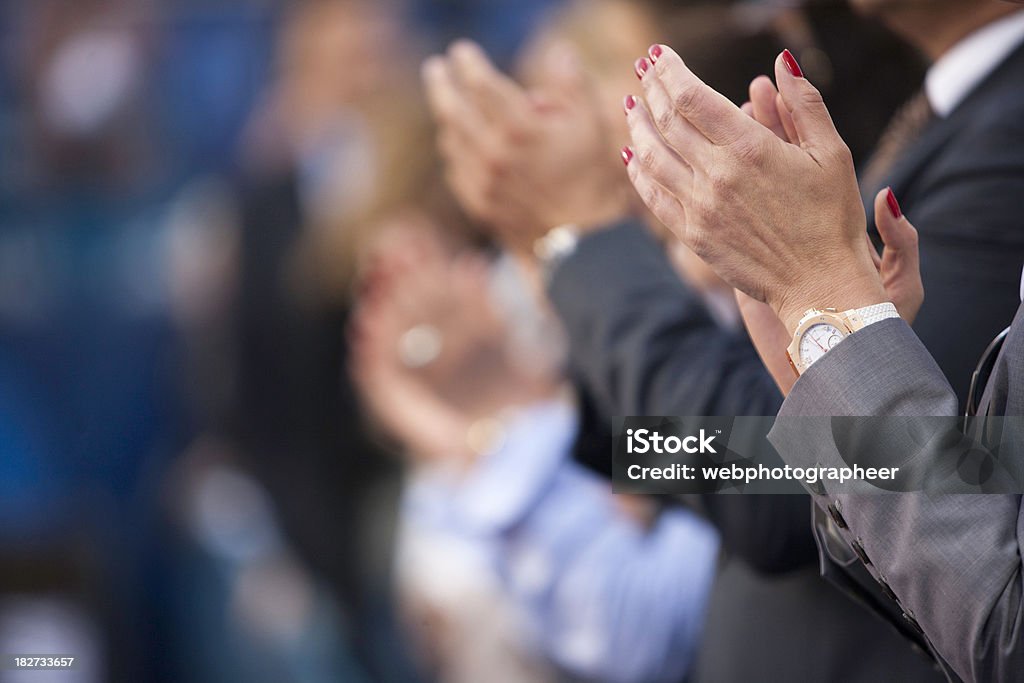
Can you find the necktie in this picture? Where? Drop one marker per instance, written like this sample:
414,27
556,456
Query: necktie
905,127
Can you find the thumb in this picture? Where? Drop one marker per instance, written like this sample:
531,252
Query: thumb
893,227
810,117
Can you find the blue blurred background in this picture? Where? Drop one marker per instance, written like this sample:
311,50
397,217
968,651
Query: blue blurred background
137,527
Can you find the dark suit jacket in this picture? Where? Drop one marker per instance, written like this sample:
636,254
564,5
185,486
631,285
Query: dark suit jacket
295,414
949,564
962,185
641,343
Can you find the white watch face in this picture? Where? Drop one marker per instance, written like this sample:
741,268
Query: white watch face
817,340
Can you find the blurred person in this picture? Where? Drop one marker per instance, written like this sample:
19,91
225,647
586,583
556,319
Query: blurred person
958,583
667,357
512,559
83,74
266,616
85,332
328,147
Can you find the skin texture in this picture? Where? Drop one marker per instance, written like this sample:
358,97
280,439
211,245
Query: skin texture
898,267
781,222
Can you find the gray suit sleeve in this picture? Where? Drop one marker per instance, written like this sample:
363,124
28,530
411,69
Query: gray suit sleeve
953,563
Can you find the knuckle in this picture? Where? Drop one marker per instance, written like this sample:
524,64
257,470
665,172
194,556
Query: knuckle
665,120
688,99
647,157
698,241
722,179
707,210
811,97
843,156
749,152
652,198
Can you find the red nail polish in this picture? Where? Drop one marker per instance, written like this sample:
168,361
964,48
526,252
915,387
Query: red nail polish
654,51
630,102
641,66
894,206
791,64
627,155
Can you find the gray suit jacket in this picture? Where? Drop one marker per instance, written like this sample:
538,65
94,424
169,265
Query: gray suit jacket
950,564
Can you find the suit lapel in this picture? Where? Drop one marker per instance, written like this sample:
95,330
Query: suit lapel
939,133
911,164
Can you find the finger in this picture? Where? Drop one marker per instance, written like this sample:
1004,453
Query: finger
896,231
654,156
494,94
674,128
787,121
665,207
811,119
443,96
748,109
718,119
763,99
461,123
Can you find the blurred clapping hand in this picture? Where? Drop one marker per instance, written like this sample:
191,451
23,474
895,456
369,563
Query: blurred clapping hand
524,162
430,352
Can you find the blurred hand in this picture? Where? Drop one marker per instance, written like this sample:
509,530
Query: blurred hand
429,352
524,162
781,222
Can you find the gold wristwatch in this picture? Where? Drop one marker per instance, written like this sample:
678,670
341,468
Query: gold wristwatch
819,331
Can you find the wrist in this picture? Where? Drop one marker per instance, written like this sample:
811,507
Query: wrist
842,292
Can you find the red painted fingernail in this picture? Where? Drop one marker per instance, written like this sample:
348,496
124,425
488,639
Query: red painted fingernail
654,51
641,66
791,64
630,102
894,206
627,155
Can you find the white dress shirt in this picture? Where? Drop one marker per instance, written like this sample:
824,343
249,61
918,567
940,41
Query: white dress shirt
604,599
955,74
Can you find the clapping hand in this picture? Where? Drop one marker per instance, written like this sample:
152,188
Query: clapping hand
524,162
429,351
781,222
